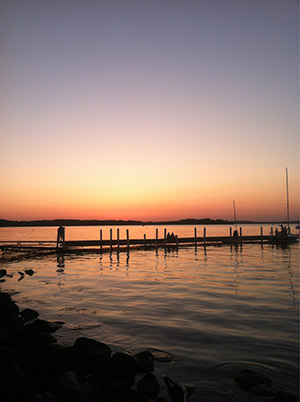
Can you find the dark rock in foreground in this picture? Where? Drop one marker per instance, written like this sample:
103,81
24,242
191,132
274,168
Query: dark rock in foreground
29,314
34,368
284,397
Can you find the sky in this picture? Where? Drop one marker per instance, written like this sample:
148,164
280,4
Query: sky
149,110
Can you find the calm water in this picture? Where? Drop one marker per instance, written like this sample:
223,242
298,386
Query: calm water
211,312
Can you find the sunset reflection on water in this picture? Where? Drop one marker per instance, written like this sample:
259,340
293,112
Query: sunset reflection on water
210,308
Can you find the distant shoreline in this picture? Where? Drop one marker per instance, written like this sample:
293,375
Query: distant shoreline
93,222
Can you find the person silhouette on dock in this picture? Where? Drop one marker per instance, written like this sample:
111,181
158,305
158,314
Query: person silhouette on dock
60,237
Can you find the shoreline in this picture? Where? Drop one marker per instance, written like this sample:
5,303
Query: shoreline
76,222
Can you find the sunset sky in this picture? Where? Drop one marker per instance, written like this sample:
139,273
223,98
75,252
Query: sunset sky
153,110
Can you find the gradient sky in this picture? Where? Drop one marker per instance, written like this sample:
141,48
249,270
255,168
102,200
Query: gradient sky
158,109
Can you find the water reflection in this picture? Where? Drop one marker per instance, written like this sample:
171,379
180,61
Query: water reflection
60,263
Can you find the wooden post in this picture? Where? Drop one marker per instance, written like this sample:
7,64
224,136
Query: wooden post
165,236
156,236
261,234
101,240
272,234
127,237
241,235
145,239
195,235
118,238
110,238
230,231
204,236
176,241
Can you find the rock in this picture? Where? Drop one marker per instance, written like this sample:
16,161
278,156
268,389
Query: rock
87,356
284,397
29,314
5,298
44,326
144,361
178,392
93,386
130,396
18,389
29,272
149,386
122,372
21,273
70,390
47,397
7,306
92,347
3,272
2,280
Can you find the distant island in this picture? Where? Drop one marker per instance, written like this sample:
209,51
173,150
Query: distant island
95,222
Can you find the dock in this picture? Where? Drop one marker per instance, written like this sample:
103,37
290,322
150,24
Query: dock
117,244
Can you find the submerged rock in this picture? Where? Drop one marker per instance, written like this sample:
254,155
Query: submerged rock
3,272
254,383
29,272
250,378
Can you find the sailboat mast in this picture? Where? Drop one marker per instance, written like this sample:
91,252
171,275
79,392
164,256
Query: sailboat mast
234,215
287,197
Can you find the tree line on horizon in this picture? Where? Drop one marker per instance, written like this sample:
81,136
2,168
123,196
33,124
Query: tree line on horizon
119,222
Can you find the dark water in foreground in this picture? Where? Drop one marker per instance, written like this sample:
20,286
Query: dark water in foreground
208,314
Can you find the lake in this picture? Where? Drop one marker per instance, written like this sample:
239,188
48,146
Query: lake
205,313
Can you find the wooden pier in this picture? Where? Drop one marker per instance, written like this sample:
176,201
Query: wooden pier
116,244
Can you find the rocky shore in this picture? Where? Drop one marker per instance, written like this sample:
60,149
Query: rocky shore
34,367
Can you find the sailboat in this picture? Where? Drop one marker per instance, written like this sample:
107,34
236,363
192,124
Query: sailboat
235,232
284,235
